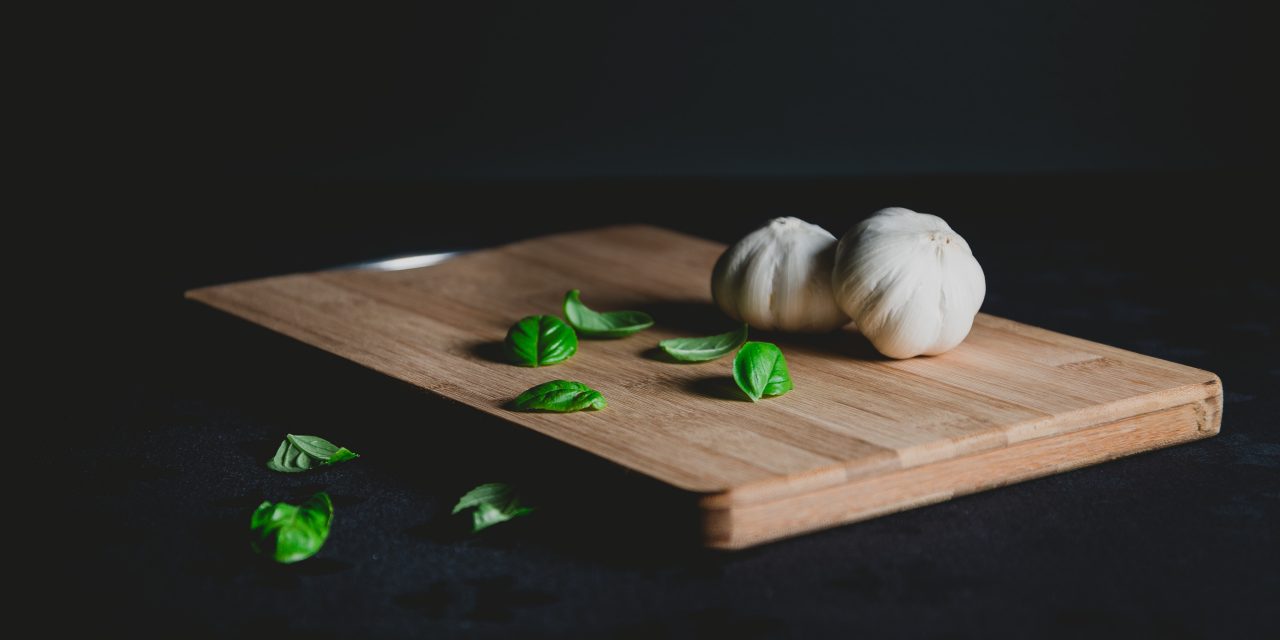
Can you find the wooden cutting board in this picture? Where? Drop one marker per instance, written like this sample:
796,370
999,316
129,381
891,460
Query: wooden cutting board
860,435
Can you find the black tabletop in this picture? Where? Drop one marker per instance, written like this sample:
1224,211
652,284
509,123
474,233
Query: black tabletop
188,404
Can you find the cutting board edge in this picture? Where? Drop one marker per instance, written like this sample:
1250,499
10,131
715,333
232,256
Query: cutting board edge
740,526
782,487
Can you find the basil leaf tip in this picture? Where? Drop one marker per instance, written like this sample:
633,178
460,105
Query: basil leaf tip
301,453
760,370
343,454
493,503
606,324
289,533
560,396
705,349
537,341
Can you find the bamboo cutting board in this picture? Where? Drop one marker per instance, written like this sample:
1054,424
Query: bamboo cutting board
860,435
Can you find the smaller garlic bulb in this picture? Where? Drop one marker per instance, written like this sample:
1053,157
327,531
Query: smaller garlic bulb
778,277
909,281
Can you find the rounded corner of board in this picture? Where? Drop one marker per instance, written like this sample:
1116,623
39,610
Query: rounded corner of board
715,499
716,526
1214,384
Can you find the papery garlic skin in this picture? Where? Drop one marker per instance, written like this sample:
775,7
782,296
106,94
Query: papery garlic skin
778,277
909,281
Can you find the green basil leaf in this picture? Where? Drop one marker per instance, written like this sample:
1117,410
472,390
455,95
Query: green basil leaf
314,446
561,396
288,533
300,453
704,349
537,341
343,454
760,370
493,503
608,324
289,459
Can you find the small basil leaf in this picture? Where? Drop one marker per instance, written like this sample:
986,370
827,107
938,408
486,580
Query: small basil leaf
760,370
493,503
289,459
343,454
300,453
288,533
704,349
314,446
485,493
537,341
561,396
608,324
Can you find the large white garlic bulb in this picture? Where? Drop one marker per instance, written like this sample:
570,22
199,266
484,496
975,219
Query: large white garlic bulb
909,281
778,277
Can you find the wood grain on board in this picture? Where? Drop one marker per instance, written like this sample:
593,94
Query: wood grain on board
859,436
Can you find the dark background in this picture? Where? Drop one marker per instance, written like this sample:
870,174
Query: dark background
1108,162
517,90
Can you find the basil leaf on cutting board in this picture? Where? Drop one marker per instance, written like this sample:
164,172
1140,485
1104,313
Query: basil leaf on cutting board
288,533
493,503
537,341
705,349
760,370
606,324
300,453
561,396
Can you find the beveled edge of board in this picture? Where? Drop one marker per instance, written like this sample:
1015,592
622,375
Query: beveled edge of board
1059,425
727,524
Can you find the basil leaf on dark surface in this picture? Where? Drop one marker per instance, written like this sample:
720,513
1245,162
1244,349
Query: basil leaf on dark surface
761,370
606,324
343,454
560,396
314,446
705,349
300,453
493,503
288,533
290,459
537,341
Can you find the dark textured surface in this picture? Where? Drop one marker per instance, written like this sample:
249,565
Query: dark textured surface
190,404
